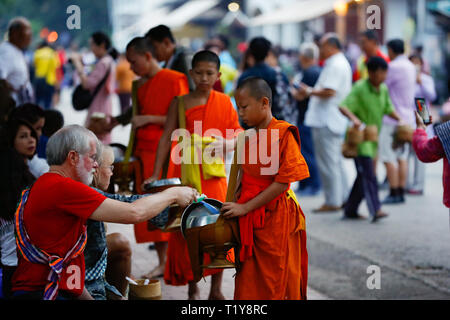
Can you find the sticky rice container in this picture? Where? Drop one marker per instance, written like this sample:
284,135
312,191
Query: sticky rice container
151,291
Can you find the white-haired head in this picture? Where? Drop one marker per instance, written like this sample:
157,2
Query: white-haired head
70,138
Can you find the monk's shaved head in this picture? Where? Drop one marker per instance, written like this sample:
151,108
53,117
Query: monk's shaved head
206,56
141,45
257,88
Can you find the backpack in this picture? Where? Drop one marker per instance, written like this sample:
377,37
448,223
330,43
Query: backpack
284,106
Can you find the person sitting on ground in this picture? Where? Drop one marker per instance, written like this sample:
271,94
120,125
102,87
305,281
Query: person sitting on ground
51,218
21,145
108,257
34,115
366,104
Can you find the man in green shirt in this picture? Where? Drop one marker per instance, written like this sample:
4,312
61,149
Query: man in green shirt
366,104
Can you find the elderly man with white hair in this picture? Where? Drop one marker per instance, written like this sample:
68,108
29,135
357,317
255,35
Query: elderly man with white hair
328,124
51,218
308,56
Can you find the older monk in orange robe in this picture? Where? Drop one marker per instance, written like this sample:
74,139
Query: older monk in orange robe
273,252
157,88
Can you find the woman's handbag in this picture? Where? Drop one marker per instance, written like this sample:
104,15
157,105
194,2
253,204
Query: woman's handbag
82,98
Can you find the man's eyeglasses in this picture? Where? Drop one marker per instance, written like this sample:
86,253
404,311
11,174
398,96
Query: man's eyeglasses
111,167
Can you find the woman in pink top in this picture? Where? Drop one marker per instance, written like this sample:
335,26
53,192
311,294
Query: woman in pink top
434,149
102,103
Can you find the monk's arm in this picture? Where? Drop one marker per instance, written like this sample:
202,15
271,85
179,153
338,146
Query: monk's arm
232,209
143,209
165,143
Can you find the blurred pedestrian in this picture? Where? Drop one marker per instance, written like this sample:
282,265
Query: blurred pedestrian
54,120
424,89
124,78
104,69
225,55
366,105
308,56
370,46
328,124
13,66
258,50
174,57
286,104
401,82
46,62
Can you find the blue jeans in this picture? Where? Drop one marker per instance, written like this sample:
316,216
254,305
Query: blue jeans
307,149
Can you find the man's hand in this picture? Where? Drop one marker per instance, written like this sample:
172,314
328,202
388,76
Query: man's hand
233,209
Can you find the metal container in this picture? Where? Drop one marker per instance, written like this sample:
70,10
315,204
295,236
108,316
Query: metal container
161,185
196,215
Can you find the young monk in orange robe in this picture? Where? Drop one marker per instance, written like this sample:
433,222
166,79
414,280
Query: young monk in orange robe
157,88
273,252
213,110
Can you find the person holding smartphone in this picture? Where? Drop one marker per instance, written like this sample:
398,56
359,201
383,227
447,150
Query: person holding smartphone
425,90
434,149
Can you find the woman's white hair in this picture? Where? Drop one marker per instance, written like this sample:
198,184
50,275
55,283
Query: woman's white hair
70,138
309,50
102,151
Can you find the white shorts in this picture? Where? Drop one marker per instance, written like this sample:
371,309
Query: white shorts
386,153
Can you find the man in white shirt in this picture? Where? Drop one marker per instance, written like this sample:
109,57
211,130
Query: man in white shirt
327,123
13,66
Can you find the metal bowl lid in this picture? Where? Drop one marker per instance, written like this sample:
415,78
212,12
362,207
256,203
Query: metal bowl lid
196,215
163,183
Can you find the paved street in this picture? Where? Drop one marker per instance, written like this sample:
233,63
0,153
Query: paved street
411,247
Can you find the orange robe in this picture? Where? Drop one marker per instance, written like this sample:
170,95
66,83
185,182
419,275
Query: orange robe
154,98
273,252
220,114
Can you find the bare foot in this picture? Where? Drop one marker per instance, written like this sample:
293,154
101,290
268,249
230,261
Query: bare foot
193,294
155,273
216,296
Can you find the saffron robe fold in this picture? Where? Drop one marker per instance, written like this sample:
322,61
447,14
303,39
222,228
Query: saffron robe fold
275,266
218,114
154,98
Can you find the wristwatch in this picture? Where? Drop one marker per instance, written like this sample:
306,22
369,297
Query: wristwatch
309,90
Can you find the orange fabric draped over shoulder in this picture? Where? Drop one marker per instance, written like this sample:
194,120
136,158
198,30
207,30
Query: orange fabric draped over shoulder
276,267
154,98
216,117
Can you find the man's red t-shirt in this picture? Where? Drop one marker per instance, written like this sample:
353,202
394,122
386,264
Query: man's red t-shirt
54,215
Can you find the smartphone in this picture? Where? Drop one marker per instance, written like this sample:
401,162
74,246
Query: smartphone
422,109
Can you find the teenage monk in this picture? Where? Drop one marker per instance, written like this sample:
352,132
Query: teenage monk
157,88
204,109
273,252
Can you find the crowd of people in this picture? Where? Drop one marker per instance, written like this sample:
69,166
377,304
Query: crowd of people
56,177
